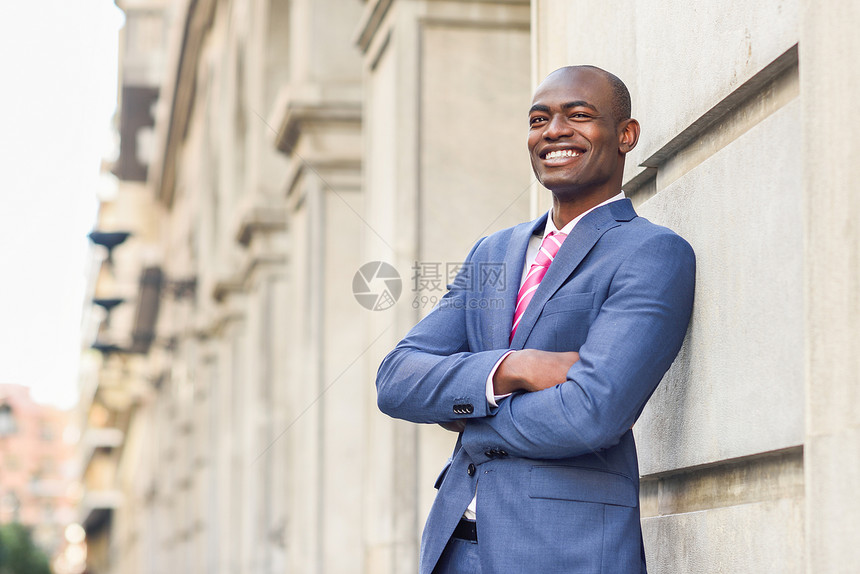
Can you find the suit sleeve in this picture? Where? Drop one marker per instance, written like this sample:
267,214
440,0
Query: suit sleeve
432,375
630,345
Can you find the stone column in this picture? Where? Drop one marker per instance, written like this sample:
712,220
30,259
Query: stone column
317,117
829,85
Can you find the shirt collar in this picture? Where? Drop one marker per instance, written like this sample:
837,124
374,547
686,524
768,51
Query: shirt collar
550,224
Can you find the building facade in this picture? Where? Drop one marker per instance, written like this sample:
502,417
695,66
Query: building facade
289,143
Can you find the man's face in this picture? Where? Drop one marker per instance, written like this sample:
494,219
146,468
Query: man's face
573,136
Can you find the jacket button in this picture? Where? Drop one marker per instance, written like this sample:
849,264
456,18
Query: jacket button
489,454
470,470
464,409
503,453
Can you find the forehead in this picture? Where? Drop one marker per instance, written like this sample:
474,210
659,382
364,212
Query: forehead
577,84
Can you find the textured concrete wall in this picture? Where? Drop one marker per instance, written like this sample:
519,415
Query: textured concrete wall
737,389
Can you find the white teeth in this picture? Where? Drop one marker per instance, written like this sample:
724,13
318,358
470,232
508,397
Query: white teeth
561,153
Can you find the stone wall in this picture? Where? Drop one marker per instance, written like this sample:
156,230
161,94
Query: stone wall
732,157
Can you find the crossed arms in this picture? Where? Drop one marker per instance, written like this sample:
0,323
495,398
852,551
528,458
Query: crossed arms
563,404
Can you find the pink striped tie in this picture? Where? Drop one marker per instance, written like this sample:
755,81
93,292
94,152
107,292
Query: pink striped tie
548,248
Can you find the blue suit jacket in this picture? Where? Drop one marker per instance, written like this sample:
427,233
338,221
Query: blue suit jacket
555,471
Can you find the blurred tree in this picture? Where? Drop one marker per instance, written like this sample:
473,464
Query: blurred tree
18,553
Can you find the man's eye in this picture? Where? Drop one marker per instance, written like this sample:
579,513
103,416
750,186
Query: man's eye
536,120
579,116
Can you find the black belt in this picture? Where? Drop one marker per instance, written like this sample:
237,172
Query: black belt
466,530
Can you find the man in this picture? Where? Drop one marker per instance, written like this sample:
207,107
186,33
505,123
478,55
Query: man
544,391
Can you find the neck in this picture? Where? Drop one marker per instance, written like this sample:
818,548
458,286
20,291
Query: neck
565,211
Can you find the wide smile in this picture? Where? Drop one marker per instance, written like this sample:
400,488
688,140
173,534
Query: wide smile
559,157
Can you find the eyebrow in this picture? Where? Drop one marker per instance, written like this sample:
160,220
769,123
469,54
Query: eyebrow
567,106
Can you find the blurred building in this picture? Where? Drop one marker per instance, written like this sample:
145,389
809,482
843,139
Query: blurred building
271,148
125,279
37,467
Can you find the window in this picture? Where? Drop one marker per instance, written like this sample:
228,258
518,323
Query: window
46,431
7,420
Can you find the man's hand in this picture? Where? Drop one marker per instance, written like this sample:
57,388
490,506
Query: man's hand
527,370
532,370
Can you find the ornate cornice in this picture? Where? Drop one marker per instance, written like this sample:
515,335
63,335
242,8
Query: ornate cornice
297,114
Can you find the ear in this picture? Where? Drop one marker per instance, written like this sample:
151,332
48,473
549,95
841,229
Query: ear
628,135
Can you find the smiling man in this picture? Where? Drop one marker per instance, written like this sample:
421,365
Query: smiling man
543,392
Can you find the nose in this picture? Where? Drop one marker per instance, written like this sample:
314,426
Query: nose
557,127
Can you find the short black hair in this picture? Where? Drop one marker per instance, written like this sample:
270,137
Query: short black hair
621,106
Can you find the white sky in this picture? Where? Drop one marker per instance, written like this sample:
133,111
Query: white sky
58,64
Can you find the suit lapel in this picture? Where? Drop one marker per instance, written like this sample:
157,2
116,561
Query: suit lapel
574,249
497,322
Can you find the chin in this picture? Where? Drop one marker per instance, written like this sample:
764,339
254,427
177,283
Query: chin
562,188
561,181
